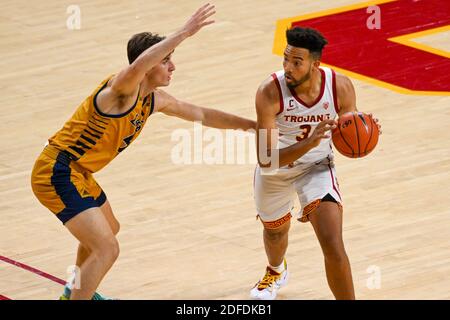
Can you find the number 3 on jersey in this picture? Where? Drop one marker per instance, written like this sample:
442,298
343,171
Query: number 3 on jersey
306,128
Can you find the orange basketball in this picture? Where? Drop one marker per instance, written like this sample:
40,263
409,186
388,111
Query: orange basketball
356,134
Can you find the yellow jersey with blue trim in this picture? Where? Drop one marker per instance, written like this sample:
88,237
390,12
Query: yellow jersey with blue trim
92,138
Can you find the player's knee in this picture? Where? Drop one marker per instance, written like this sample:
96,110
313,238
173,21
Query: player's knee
108,249
114,249
334,250
115,227
335,256
275,234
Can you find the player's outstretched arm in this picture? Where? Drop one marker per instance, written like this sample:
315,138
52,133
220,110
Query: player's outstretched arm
267,107
208,117
127,81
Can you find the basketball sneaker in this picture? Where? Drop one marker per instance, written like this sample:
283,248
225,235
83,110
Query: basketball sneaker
268,286
96,296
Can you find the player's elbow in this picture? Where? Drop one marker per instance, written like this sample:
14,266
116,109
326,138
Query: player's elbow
204,116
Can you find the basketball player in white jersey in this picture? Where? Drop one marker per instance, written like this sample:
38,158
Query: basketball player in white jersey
302,102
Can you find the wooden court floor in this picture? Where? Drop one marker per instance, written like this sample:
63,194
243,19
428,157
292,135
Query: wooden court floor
189,231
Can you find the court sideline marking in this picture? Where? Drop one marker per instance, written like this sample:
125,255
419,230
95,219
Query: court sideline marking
32,270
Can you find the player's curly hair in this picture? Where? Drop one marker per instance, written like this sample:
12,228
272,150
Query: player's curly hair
141,42
306,38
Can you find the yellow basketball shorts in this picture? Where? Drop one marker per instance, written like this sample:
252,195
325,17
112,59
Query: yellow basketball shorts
62,186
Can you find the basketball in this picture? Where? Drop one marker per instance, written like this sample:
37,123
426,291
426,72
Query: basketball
356,134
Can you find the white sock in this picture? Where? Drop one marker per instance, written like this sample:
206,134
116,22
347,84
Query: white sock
278,269
73,279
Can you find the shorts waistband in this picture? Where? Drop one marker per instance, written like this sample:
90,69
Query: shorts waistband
63,157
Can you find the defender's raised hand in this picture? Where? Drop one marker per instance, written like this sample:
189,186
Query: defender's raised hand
199,19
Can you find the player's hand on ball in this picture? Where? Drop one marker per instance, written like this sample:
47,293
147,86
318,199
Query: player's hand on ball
377,122
322,131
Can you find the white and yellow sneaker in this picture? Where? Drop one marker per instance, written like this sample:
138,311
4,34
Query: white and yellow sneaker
268,286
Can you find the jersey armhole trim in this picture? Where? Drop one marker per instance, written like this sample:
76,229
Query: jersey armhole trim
275,78
112,115
153,103
335,102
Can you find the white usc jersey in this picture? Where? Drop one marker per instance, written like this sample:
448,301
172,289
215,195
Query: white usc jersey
297,119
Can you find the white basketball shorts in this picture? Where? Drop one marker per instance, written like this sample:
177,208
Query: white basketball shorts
275,194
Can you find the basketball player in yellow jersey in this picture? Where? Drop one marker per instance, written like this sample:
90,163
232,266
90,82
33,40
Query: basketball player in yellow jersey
102,127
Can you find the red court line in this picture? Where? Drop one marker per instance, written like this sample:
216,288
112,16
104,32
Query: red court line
2,297
33,270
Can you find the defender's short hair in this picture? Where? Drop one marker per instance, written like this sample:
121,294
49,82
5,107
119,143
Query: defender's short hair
141,42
